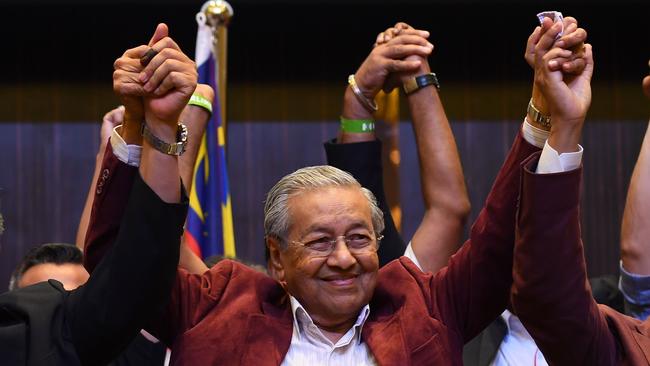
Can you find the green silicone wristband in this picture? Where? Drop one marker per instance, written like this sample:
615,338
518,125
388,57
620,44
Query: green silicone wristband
200,101
357,125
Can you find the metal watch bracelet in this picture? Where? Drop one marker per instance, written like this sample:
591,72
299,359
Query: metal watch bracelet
177,148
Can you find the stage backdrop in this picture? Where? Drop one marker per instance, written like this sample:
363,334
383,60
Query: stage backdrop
47,167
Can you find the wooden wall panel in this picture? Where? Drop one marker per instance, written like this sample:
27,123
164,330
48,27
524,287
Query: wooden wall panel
45,172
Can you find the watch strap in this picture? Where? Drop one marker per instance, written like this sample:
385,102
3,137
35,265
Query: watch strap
418,82
177,148
537,116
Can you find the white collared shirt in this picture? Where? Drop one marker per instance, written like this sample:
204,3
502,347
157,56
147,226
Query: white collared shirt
517,348
309,346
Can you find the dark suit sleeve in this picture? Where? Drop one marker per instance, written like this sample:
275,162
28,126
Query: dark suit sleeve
550,293
363,161
132,282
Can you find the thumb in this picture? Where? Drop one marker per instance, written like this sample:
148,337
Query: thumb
589,58
161,32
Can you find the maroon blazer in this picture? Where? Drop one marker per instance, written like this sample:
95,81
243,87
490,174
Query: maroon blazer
233,315
551,293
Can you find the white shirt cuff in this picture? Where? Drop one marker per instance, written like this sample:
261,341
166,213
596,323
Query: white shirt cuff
128,154
552,162
535,136
410,254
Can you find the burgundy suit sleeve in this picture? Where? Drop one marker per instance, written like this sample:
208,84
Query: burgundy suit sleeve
111,197
474,288
551,293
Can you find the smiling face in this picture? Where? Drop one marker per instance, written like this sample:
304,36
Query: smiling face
334,288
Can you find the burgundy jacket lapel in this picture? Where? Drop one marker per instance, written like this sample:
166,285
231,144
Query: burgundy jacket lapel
386,341
269,336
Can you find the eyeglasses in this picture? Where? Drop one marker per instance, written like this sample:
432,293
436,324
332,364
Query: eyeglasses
358,244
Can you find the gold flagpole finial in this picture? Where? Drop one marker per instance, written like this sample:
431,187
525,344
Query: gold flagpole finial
218,12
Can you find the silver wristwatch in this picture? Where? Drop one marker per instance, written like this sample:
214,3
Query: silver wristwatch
177,148
537,116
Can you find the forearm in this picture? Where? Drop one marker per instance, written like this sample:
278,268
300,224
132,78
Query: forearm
109,204
550,290
195,118
190,261
85,214
478,278
443,186
353,109
159,170
635,231
132,283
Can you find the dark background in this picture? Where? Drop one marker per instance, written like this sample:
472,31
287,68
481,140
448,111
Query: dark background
289,41
288,64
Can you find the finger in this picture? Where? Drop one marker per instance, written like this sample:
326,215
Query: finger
410,39
402,26
116,116
151,53
550,30
589,61
646,86
136,52
401,65
126,84
574,67
530,44
127,64
552,56
159,59
169,65
569,22
389,34
570,28
176,80
380,39
403,50
572,39
415,32
161,32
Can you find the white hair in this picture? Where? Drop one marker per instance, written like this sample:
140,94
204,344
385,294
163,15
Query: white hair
276,213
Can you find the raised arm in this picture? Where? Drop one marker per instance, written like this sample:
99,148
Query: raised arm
445,196
359,152
635,233
110,120
134,279
550,290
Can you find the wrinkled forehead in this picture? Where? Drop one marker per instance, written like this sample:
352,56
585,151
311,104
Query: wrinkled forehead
333,207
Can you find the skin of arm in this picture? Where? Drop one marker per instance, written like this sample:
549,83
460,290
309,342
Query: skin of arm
446,201
196,119
445,196
635,231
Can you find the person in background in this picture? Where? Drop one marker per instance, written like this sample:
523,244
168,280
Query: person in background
58,261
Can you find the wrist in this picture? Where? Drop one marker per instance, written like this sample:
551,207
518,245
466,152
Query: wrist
352,107
422,70
130,130
565,137
539,101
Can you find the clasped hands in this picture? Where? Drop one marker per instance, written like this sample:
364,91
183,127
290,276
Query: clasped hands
158,92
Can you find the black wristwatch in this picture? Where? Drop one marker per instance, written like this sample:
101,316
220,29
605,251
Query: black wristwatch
419,82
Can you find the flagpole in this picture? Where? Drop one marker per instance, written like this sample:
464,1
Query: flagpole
218,14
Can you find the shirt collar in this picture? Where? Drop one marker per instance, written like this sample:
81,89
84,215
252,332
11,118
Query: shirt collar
302,319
